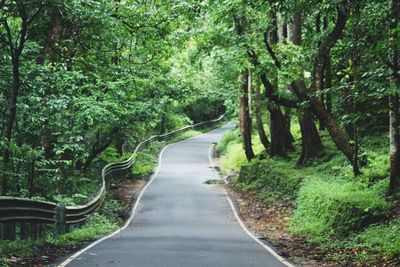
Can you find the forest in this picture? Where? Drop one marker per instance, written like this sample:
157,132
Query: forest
313,87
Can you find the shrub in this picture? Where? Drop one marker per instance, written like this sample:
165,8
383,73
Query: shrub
379,238
97,226
231,137
326,208
269,179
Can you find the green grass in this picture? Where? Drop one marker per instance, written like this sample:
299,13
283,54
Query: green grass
213,181
379,240
326,209
333,209
97,226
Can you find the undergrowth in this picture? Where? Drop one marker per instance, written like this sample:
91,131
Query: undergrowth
333,209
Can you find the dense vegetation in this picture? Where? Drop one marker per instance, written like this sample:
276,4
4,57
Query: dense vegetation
314,85
81,80
318,118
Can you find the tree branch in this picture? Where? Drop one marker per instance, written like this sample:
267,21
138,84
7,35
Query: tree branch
271,51
328,43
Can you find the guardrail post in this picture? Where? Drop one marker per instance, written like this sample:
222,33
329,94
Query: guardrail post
33,229
60,220
9,231
25,229
1,231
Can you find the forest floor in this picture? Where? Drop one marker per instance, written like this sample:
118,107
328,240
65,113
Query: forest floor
270,220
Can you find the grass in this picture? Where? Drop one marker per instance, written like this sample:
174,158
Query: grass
213,181
97,226
333,209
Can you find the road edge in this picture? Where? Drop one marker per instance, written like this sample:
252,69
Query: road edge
240,221
135,207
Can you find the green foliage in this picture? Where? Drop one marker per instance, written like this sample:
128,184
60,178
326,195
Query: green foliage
269,179
3,261
213,181
377,240
146,161
97,226
231,148
325,208
226,140
112,210
333,209
18,247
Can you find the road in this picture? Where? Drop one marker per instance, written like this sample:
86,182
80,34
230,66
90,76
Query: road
180,221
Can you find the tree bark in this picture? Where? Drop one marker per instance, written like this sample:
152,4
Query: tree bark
356,6
99,146
259,121
328,86
394,126
311,141
244,115
244,109
12,113
281,138
53,35
338,135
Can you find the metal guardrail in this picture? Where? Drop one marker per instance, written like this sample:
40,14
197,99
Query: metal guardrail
28,218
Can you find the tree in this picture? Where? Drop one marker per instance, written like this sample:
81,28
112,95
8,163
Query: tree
394,125
15,37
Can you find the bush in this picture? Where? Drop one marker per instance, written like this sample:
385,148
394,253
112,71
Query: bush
326,208
97,226
269,179
231,137
383,238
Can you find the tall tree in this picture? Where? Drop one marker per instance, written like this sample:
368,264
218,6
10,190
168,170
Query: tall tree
394,114
311,141
15,36
244,109
259,117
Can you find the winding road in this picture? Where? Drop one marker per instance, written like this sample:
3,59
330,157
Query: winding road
180,221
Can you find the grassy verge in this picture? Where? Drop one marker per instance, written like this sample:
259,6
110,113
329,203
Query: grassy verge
349,217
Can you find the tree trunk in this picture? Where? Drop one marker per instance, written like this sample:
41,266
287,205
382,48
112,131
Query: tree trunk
31,177
53,36
279,127
162,123
12,113
328,85
394,132
244,115
259,121
355,65
278,132
119,143
339,137
311,141
394,126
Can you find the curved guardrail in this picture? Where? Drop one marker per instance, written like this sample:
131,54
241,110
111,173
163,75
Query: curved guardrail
33,215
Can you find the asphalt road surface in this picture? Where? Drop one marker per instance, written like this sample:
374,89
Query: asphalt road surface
180,221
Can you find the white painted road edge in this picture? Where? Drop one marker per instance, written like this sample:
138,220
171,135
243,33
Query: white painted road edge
134,209
239,220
